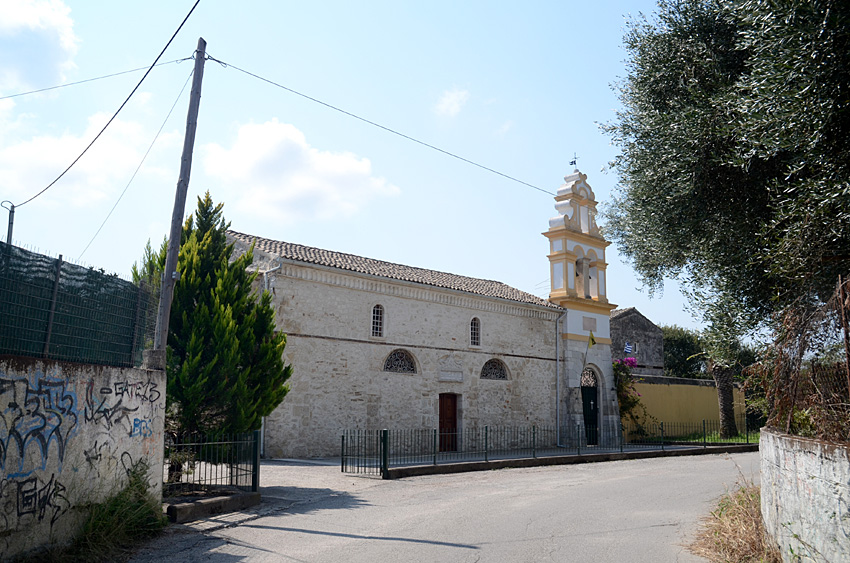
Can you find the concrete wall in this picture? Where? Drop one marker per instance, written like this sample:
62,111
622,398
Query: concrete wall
676,399
339,382
68,434
805,496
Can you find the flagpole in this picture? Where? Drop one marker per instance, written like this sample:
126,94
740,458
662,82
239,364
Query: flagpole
586,350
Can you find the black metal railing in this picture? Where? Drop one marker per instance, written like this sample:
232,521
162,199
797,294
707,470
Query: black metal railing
374,452
208,462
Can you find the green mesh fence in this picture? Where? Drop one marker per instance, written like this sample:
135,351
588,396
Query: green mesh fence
57,310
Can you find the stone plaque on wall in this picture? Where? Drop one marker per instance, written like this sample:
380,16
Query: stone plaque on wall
588,323
451,376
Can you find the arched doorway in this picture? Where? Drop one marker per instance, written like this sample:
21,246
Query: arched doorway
590,405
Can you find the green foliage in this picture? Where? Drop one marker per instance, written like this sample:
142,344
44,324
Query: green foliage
149,268
631,408
683,353
735,151
225,365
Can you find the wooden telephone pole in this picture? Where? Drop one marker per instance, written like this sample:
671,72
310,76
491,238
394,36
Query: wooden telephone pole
170,274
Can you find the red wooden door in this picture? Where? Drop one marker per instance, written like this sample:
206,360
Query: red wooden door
448,422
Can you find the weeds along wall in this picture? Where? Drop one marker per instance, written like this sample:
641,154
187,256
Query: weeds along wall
676,399
68,435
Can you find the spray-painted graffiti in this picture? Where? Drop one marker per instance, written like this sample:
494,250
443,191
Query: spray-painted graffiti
37,416
142,427
94,454
101,410
42,499
140,390
109,405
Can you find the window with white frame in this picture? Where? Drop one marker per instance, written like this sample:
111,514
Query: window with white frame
378,321
475,332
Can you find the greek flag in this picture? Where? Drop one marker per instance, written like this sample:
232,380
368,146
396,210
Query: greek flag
628,348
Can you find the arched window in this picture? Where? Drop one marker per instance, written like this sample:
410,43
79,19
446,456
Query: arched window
378,320
494,369
400,361
475,332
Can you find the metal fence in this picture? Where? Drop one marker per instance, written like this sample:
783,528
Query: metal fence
210,462
53,309
374,452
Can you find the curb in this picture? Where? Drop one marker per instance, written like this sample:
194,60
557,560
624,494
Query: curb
415,471
188,511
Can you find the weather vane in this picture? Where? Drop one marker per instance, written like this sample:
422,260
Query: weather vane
574,161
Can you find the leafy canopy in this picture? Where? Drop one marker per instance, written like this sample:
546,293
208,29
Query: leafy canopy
735,151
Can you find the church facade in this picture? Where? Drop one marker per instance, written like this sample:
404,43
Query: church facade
380,345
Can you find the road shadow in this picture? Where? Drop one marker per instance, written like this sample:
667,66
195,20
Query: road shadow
358,536
304,500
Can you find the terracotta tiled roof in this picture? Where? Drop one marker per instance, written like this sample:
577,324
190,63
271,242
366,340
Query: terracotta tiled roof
359,264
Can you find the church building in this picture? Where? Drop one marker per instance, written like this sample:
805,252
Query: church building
380,345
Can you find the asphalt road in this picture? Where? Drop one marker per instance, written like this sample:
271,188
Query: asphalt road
631,511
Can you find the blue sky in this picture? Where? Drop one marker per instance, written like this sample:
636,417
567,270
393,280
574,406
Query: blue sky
517,87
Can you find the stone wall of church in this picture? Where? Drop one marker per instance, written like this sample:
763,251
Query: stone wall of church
339,381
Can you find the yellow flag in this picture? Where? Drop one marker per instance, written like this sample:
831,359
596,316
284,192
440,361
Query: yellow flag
591,341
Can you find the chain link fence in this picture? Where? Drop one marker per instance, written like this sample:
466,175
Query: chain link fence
56,310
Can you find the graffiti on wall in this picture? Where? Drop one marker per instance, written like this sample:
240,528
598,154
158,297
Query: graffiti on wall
109,405
34,417
33,498
69,435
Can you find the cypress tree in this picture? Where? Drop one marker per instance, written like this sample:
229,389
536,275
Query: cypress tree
225,360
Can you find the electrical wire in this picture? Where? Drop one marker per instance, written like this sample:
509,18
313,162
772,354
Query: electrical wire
111,119
139,167
378,125
90,79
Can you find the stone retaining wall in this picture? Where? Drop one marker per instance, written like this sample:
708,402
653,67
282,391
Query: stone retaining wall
805,496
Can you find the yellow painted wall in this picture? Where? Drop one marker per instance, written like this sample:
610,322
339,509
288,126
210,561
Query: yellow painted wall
685,403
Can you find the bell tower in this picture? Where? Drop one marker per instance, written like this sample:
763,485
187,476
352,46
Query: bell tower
578,285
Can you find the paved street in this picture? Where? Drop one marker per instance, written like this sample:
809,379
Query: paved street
631,511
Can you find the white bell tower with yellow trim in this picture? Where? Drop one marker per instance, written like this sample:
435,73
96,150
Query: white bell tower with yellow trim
578,284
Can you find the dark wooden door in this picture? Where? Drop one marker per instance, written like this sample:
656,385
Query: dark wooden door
448,422
590,406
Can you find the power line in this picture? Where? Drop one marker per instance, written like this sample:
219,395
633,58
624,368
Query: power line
139,167
378,125
111,119
90,79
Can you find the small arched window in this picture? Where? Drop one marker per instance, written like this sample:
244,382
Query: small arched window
400,361
475,332
494,369
378,320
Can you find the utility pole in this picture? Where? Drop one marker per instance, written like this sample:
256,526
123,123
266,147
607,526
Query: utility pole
170,273
11,209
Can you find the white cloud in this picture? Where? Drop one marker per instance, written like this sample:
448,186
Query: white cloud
272,172
49,15
37,43
29,165
451,102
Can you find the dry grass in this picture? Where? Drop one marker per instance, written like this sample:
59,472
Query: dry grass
734,532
